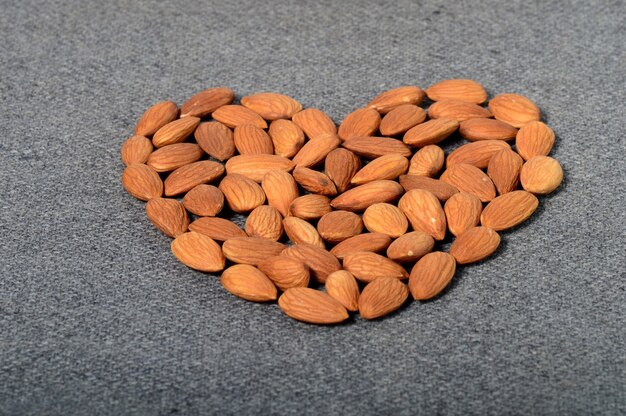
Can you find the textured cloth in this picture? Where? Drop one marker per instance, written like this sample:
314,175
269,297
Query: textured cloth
97,317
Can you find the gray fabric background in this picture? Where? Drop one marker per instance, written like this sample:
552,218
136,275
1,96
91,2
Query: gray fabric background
97,317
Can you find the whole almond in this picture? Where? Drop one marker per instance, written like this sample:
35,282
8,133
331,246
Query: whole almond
252,140
320,262
287,137
374,242
301,232
373,147
360,122
168,215
340,166
237,115
336,226
156,117
342,287
476,129
534,139
172,157
401,119
241,193
256,166
462,212
249,283
457,110
189,176
265,222
205,102
514,109
390,99
175,131
504,168
314,181
142,182
381,297
198,252
314,122
204,200
315,150
219,229
541,175
367,266
216,140
251,250
431,274
427,161
385,167
281,189
310,207
509,210
470,179
424,212
272,106
385,219
430,132
410,247
286,272
136,149
312,306
474,245
442,190
457,89
361,197
476,153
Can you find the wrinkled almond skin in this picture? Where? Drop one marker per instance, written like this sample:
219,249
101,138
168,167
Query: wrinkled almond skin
189,176
385,167
320,262
251,250
315,150
430,132
373,147
401,119
314,122
256,166
427,161
241,193
534,139
281,189
359,198
462,212
300,231
343,287
136,149
237,115
272,106
265,222
337,226
219,229
381,297
509,210
390,99
340,166
174,156
504,169
310,207
204,200
457,110
385,219
175,131
205,102
514,109
286,272
442,190
156,117
470,179
474,245
367,266
216,140
373,242
424,212
252,140
541,175
476,129
314,181
287,137
142,182
312,306
457,89
360,122
249,283
168,215
198,252
431,274
410,247
476,153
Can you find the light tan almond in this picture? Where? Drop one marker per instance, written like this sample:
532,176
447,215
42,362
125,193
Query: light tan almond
315,150
256,166
509,210
340,166
390,99
401,119
175,131
281,189
156,117
442,190
374,242
168,215
534,139
314,181
314,122
174,156
410,247
470,179
287,137
541,175
312,306
219,229
457,89
300,231
427,161
286,272
361,197
205,102
216,140
360,122
457,110
367,266
249,283
198,252
336,226
272,106
381,297
431,274
476,129
204,200
250,250
373,147
320,262
430,132
237,115
385,219
474,245
462,212
424,212
265,222
189,176
142,182
385,167
241,193
477,153
514,109
310,207
252,140
136,149
504,168
342,287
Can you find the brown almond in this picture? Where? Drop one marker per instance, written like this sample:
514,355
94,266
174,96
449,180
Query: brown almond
431,274
336,226
381,297
427,161
504,168
424,212
410,247
156,117
340,166
205,102
312,306
281,189
361,197
315,150
301,232
251,250
541,175
457,110
385,219
265,222
219,229
256,166
442,190
367,266
314,181
174,156
374,242
198,252
168,215
476,129
462,212
249,283
457,89
474,245
476,153
534,139
509,210
390,99
286,272
310,207
314,122
142,182
385,167
343,287
216,140
204,200
189,176
514,109
241,193
175,131
373,147
237,115
430,132
319,261
360,122
272,106
136,149
470,179
287,137
401,119
252,140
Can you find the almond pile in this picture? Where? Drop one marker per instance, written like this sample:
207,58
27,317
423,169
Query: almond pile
339,218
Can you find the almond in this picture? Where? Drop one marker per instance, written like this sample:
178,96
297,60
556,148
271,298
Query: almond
314,181
142,182
168,215
341,165
286,272
198,252
385,219
509,210
216,140
251,140
316,149
381,297
360,122
237,115
174,156
312,306
457,110
156,117
361,197
281,189
219,229
373,147
390,99
241,193
310,207
265,222
442,190
256,166
319,261
476,129
136,149
462,212
534,139
272,106
504,168
385,167
457,89
287,137
314,122
427,161
250,250
424,212
301,232
410,247
431,274
189,176
367,266
249,283
541,175
336,226
476,153
374,242
474,245
204,200
470,179
430,132
205,102
342,287
514,109
401,119
175,131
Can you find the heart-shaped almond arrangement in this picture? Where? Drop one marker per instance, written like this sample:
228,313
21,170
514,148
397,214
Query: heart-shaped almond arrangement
350,209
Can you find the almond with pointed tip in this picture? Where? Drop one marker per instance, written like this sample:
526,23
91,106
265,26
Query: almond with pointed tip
300,231
310,207
382,297
457,89
401,119
189,176
442,190
474,245
476,129
340,166
236,115
272,106
219,229
373,147
410,247
320,262
205,102
252,140
361,122
315,150
534,139
249,283
256,166
281,189
430,132
287,137
462,212
385,167
204,200
314,122
509,210
343,287
241,193
142,182
427,161
314,181
431,274
470,179
312,306
337,226
457,110
156,117
266,222
477,153
286,272
504,168
514,109
390,99
199,252
367,266
174,156
424,212
386,219
362,196
541,175
251,250
168,215
175,131
136,149
216,140
374,242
